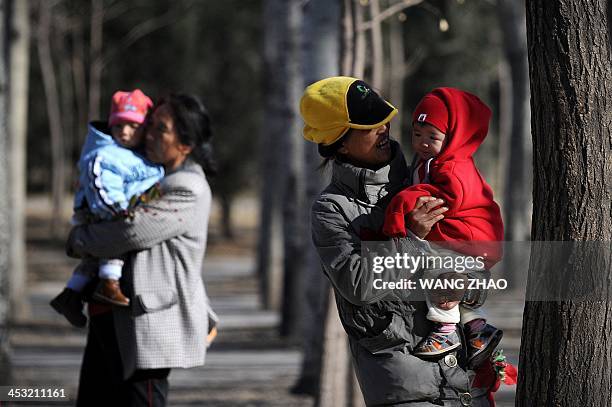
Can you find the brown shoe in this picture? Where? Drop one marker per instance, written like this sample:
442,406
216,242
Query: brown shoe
108,291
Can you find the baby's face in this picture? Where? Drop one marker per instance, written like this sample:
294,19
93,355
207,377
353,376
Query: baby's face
127,134
427,141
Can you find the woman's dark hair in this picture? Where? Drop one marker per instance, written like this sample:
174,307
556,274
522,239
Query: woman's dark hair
331,151
192,123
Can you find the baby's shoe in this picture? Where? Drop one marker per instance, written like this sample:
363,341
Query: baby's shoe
69,303
109,291
481,344
437,344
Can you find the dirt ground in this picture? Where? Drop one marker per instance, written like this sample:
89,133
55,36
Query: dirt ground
248,365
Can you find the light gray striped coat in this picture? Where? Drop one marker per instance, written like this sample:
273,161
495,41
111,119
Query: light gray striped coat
165,241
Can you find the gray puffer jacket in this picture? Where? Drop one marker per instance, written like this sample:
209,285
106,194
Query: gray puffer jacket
383,326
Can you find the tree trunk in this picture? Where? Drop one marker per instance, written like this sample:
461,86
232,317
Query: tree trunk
336,379
518,180
294,222
53,111
80,84
377,47
96,60
18,73
360,42
282,20
226,216
566,352
348,37
66,89
5,224
396,74
321,58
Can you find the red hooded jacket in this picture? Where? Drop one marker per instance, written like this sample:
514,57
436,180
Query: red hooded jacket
473,215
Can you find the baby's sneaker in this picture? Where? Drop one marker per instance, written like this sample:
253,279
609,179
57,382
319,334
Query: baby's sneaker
437,344
109,291
482,343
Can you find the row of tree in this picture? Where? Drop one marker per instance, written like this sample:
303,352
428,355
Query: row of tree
386,43
565,354
83,51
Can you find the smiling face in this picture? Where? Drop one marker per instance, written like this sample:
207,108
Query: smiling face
367,148
427,141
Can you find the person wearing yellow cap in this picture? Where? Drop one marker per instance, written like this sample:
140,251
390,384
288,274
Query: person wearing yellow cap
350,124
344,115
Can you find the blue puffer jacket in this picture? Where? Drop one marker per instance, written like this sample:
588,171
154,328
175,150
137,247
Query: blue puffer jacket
110,175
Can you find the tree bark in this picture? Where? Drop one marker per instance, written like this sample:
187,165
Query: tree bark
226,216
5,206
53,112
517,190
294,223
77,63
18,74
282,21
348,37
396,74
66,92
378,61
360,42
566,352
321,58
336,379
96,57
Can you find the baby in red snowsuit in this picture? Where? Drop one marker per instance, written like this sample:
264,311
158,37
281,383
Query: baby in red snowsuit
448,126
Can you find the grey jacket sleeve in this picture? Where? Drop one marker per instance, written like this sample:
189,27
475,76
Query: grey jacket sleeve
152,223
339,249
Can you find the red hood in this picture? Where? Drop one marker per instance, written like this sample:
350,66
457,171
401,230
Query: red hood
468,123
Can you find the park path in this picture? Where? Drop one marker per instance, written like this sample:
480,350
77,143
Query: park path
247,365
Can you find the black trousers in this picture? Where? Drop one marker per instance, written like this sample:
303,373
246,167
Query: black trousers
101,381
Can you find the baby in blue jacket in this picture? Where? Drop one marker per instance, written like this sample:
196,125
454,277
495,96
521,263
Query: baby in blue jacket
112,173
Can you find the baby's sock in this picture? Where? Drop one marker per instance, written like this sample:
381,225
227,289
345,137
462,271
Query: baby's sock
476,325
444,328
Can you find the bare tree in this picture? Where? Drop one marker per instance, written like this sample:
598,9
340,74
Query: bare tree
100,58
19,61
62,58
378,55
77,64
515,122
325,367
282,19
400,68
394,65
96,62
348,37
52,97
360,41
566,354
294,221
5,225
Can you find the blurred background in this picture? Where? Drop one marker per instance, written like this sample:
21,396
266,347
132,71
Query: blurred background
249,60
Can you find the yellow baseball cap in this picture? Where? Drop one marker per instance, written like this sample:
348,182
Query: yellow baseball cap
332,106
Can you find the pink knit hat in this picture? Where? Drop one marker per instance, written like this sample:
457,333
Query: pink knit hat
129,106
